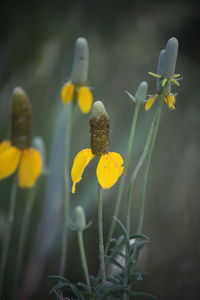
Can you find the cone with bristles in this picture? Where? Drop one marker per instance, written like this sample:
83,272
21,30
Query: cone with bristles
79,74
99,129
21,119
160,67
170,57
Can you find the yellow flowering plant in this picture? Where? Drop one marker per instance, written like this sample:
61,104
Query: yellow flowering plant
117,261
17,153
110,164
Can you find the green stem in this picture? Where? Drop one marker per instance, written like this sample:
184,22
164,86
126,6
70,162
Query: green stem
83,258
123,177
67,192
8,233
137,169
23,235
100,227
146,171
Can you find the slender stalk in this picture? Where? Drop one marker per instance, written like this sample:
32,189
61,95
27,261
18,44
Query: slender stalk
67,192
145,152
100,227
146,171
23,235
83,258
123,177
6,243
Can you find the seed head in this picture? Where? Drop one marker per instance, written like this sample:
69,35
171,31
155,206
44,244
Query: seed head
21,119
99,129
170,57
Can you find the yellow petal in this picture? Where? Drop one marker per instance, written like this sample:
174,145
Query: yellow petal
30,168
170,100
9,159
67,92
81,161
150,102
109,169
85,99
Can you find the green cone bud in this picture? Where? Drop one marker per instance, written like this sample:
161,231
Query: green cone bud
141,92
79,74
79,218
170,57
21,119
99,129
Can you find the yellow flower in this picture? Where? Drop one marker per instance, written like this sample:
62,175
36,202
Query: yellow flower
81,93
169,99
109,168
110,164
27,161
18,153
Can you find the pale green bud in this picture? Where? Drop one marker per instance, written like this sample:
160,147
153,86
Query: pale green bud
79,218
141,92
79,74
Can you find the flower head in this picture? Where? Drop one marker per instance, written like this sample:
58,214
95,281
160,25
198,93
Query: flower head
110,164
165,76
77,88
17,153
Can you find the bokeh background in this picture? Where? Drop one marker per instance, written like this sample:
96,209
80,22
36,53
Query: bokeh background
125,38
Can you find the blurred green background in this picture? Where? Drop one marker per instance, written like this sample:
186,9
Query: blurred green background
125,38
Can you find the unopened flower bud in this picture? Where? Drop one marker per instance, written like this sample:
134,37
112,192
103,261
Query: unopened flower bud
99,129
170,57
21,119
141,92
79,218
79,74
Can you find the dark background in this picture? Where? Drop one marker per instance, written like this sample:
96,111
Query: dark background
125,38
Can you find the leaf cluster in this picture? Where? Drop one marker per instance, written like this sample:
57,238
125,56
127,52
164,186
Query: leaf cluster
124,255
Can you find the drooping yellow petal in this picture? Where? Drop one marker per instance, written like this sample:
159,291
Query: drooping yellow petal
67,92
9,159
154,75
81,161
85,99
150,102
170,100
30,168
109,169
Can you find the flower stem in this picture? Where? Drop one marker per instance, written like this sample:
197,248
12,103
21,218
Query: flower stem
6,243
100,227
23,234
67,192
123,177
146,171
83,258
145,152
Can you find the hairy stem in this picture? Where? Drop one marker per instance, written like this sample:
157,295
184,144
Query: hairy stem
83,258
123,177
6,242
100,227
67,192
